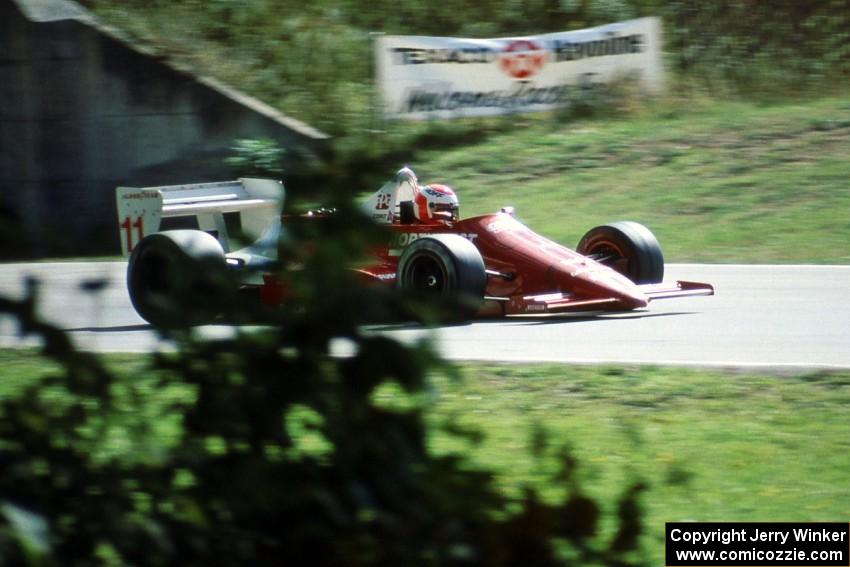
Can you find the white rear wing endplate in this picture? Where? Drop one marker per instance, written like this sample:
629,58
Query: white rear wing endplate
382,206
141,209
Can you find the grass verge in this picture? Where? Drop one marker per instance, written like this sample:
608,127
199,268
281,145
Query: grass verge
711,446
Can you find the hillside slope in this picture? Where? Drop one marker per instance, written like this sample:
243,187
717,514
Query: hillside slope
737,164
313,60
732,182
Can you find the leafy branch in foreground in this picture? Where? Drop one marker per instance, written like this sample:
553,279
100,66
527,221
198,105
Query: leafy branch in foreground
262,448
262,156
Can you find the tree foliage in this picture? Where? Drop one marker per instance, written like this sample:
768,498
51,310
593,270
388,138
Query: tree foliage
257,157
262,448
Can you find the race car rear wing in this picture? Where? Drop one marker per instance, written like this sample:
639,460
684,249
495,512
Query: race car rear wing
206,206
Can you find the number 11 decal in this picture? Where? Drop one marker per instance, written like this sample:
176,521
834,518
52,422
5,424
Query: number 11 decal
128,227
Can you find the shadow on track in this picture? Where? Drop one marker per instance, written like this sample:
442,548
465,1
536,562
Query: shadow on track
514,321
527,320
114,329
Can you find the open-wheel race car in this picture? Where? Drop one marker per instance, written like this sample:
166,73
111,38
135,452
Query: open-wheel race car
493,265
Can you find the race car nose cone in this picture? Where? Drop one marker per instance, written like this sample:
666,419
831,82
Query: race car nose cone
626,291
594,280
634,300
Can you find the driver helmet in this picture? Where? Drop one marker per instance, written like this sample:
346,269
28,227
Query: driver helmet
436,203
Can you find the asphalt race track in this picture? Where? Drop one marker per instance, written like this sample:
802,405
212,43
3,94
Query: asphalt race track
766,317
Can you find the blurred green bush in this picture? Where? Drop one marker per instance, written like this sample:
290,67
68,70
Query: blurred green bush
263,449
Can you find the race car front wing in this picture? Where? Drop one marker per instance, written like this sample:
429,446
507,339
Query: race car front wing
566,303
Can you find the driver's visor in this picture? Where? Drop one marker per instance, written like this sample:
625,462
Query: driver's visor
445,210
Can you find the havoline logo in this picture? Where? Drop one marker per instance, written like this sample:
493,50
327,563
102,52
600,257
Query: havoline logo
522,59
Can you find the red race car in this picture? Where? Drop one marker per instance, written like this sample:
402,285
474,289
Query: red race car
492,264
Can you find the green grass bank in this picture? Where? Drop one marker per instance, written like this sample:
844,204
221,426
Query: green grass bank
719,182
711,446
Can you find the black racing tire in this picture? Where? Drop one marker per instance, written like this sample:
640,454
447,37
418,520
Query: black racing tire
178,278
628,247
447,267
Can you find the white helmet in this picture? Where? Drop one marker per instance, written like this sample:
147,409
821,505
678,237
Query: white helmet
436,203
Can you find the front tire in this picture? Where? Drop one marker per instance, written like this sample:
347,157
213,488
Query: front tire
627,247
445,267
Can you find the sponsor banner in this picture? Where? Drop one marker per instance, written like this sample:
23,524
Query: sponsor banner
436,77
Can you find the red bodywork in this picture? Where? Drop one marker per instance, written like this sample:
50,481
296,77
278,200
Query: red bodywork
527,273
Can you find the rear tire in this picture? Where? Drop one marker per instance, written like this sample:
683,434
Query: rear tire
627,247
178,278
446,267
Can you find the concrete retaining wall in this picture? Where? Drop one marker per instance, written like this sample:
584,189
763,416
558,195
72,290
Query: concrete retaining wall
81,112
